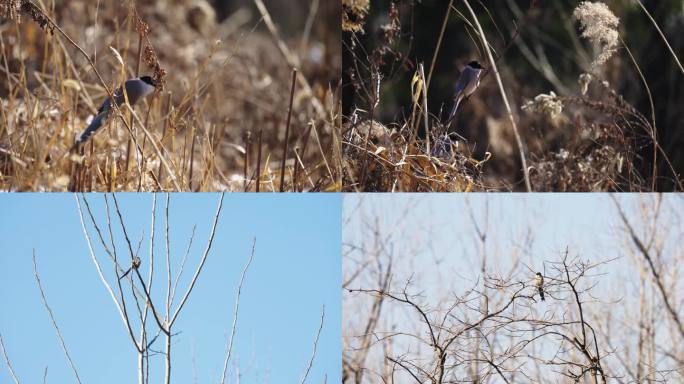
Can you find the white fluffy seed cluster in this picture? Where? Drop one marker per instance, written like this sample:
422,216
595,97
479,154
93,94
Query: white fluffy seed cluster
599,25
549,105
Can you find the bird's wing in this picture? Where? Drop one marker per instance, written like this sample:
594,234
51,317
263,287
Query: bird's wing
133,91
105,105
461,83
458,96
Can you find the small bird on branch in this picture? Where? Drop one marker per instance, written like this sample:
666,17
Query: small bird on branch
135,263
539,282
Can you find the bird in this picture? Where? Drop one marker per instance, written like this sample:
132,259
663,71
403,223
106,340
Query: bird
467,83
135,264
539,282
136,90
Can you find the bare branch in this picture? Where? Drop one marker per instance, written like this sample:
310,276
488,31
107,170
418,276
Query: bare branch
229,348
315,344
7,360
52,318
654,271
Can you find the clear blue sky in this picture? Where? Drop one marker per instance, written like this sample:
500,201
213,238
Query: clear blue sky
295,272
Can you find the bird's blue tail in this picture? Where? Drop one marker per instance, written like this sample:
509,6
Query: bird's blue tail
94,125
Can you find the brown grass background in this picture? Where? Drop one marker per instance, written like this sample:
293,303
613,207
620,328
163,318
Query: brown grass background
226,81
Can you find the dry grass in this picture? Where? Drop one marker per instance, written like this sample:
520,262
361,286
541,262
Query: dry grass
392,163
601,135
219,123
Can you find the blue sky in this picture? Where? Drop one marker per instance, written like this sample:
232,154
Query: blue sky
296,270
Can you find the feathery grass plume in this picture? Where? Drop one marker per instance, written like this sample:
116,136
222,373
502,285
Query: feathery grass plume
599,25
549,105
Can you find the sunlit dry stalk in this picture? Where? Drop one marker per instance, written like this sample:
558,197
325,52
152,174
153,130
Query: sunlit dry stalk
258,168
287,130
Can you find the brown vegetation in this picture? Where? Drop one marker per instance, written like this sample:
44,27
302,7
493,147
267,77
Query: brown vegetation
218,120
612,127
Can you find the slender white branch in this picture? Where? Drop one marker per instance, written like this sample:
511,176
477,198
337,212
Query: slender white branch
7,360
168,259
154,217
235,314
52,318
182,266
99,270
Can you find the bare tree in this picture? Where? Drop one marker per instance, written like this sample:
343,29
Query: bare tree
127,271
495,326
649,229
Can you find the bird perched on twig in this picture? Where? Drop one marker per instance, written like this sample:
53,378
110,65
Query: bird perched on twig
135,264
539,282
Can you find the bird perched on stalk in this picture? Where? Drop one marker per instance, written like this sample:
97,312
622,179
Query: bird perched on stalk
467,83
539,282
136,90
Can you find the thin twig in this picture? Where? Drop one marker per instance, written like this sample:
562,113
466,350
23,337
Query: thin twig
661,35
439,44
229,348
653,120
7,360
182,265
136,271
657,279
287,130
119,306
315,344
52,318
